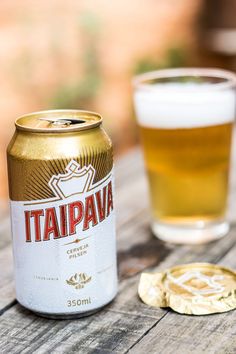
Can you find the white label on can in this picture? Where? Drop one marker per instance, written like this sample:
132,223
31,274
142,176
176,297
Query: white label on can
64,247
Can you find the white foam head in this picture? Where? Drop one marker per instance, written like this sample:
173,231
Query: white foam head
183,105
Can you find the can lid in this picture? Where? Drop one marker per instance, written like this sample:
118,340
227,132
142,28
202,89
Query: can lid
58,121
194,289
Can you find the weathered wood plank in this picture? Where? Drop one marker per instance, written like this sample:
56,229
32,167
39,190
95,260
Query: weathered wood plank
128,301
131,187
128,166
7,294
108,332
115,329
179,334
5,234
193,334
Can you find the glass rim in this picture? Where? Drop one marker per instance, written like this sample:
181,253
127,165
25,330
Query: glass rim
144,81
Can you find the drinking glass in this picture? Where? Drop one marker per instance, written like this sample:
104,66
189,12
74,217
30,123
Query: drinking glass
185,118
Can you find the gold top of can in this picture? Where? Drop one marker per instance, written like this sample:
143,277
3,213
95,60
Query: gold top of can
193,289
58,121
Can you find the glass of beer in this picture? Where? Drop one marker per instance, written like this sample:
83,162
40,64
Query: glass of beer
186,120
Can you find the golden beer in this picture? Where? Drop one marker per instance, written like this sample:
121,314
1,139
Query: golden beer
188,171
185,118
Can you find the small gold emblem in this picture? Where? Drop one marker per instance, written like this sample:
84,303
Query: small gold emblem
76,241
79,280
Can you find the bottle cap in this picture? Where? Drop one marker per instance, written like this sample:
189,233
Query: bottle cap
194,289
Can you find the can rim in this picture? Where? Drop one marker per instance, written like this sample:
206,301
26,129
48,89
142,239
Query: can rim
92,120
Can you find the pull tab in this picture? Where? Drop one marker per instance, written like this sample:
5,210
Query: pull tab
56,121
61,122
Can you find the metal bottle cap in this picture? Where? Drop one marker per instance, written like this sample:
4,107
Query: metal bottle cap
194,289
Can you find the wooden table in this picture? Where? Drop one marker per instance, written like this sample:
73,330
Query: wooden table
127,325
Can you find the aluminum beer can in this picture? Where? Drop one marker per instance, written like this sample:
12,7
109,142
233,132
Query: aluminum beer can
60,170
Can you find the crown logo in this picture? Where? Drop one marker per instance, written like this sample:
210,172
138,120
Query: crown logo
202,284
75,181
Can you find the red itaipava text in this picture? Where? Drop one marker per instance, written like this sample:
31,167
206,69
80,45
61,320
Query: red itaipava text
62,221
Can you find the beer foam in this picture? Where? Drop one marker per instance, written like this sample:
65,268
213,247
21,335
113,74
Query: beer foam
183,105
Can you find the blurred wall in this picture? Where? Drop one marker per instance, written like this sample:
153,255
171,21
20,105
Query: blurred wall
82,54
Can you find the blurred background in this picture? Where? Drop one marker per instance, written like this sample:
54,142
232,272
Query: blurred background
83,54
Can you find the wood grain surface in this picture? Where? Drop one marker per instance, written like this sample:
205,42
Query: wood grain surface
126,325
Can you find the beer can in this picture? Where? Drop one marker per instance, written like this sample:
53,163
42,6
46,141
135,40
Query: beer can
60,169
